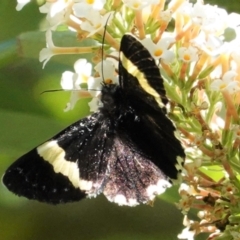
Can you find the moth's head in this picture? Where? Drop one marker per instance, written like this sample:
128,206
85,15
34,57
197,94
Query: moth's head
109,97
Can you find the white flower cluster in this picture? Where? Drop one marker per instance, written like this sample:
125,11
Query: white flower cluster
200,32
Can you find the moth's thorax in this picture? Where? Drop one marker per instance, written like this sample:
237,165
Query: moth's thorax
111,99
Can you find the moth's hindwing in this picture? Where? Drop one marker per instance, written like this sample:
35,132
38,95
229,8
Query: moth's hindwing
133,178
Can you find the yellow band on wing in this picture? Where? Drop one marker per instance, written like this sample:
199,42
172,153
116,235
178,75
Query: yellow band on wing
55,155
134,71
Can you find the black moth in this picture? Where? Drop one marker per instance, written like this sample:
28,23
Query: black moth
127,150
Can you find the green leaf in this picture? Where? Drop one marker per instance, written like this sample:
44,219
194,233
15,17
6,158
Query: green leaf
9,53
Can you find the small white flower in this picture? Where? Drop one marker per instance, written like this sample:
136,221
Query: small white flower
209,43
212,19
96,22
189,54
57,11
83,71
160,49
46,53
83,7
226,83
72,81
165,16
190,168
106,70
184,9
139,4
188,232
52,8
21,4
75,96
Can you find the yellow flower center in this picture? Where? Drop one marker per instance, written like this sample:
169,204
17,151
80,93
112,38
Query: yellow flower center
186,57
90,1
84,78
158,52
98,26
222,86
136,4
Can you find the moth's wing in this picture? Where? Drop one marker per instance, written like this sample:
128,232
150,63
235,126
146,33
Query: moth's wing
32,177
66,168
139,75
154,136
143,159
133,178
151,130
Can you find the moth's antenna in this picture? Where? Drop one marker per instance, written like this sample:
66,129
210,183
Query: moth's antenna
72,90
52,90
102,52
104,34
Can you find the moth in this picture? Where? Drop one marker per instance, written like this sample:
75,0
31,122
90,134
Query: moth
127,150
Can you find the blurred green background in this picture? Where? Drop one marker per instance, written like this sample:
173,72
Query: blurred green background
27,118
